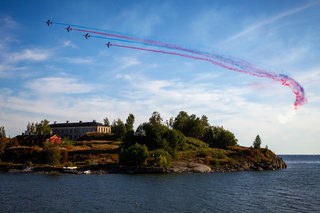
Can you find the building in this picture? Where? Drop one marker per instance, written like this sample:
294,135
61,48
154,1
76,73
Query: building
32,140
74,131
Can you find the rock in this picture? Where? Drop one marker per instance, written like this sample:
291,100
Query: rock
200,168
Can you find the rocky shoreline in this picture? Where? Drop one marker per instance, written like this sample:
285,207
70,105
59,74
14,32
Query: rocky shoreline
276,163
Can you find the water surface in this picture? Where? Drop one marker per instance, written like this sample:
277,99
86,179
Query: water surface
295,189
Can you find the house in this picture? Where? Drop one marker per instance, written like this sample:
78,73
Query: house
32,140
74,131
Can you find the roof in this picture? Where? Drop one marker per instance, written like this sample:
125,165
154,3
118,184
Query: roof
33,137
94,123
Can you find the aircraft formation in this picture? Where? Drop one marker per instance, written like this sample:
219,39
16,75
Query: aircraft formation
69,28
227,62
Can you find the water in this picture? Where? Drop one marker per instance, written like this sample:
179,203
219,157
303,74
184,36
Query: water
295,189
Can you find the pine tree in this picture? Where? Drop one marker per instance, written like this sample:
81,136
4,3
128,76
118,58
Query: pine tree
257,142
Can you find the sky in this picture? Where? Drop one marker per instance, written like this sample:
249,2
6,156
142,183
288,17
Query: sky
48,73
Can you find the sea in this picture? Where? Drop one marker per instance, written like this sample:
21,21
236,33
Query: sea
295,189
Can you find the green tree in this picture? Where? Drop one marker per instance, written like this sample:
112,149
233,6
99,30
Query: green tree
118,129
162,158
175,139
31,129
106,121
43,128
191,126
128,140
155,118
130,122
2,132
257,142
219,137
53,153
135,155
170,122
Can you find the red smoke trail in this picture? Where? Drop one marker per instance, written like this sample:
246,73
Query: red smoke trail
285,80
296,88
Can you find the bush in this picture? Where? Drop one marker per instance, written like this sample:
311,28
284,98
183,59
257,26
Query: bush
53,155
218,137
195,144
162,158
135,155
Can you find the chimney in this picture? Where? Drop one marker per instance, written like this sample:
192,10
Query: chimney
94,121
67,122
80,121
55,122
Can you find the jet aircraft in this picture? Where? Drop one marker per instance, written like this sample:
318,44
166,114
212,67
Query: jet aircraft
87,35
68,28
109,44
48,22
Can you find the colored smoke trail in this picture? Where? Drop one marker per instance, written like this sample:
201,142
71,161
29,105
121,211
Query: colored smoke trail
296,88
245,67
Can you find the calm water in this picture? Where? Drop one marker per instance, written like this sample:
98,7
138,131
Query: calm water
295,189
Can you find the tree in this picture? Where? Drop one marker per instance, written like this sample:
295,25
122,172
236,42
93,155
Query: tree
219,137
135,155
175,139
257,142
130,122
118,129
162,159
53,153
155,118
2,132
169,123
191,126
31,129
106,121
43,128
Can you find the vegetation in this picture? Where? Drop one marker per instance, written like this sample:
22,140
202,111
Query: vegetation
257,142
118,128
2,132
191,126
135,155
155,143
218,137
130,122
41,128
161,158
106,121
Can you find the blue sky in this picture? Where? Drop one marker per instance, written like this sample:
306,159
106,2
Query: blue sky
46,72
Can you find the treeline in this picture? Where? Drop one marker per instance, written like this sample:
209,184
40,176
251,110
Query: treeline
161,140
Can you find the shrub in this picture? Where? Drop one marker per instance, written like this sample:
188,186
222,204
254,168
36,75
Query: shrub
195,143
53,155
135,155
162,158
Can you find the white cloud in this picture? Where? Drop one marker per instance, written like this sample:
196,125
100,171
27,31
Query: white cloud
86,60
28,55
69,43
260,24
8,22
58,85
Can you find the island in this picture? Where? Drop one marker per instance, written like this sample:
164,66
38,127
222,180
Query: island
184,144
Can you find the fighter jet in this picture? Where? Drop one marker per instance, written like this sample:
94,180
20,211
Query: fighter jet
68,28
48,22
109,44
87,35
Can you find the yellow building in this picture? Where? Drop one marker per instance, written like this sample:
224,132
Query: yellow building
74,131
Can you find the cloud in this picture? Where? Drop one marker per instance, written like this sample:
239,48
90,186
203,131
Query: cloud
58,85
86,60
28,55
8,22
270,20
69,43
